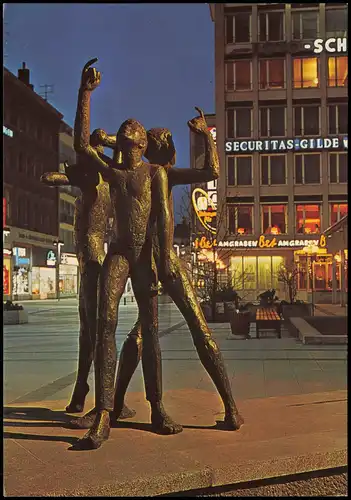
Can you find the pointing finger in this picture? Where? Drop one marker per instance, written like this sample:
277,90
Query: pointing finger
89,63
201,113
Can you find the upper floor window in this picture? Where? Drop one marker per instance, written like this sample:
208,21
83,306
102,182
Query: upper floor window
239,123
305,25
239,75
273,169
272,122
240,219
273,219
307,120
272,74
336,22
308,219
338,119
337,167
337,212
306,72
308,168
338,71
271,26
238,28
239,170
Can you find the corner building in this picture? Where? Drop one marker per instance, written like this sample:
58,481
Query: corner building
282,125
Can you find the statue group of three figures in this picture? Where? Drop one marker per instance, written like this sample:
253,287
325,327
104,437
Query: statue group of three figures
139,195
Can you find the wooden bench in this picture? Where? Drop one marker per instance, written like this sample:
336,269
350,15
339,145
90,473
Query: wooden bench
267,318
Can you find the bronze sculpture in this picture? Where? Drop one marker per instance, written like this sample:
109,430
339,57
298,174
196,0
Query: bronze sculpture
139,197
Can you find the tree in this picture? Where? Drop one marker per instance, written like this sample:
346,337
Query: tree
288,275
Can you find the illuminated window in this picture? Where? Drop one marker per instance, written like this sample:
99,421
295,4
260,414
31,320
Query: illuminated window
271,26
338,167
273,122
337,71
306,120
337,212
305,72
239,170
273,219
273,169
308,219
336,22
305,25
238,28
240,219
238,75
272,74
308,168
338,119
239,123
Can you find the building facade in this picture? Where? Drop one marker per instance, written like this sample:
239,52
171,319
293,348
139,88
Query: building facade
31,229
68,270
281,93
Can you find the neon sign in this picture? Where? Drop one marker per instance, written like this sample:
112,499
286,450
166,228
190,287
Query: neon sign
205,205
263,242
283,145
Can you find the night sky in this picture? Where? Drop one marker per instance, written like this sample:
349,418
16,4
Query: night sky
156,60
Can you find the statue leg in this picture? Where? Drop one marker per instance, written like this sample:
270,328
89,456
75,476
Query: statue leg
151,352
86,352
127,364
183,294
114,276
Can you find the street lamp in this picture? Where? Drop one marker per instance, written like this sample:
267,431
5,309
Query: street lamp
312,251
59,244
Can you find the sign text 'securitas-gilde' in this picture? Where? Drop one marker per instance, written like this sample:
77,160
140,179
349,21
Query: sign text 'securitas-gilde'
283,145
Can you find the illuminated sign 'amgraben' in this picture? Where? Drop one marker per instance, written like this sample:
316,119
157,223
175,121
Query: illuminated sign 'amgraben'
262,242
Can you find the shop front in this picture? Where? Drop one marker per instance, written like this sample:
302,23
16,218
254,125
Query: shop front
43,273
7,275
21,272
68,283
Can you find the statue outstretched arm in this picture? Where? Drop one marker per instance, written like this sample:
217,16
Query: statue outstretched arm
163,220
210,171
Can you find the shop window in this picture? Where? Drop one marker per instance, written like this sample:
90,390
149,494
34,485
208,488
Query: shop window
272,122
236,272
305,25
336,22
305,70
240,219
239,123
308,219
239,75
306,120
272,74
277,262
302,273
249,271
337,71
338,167
337,212
273,219
307,168
239,170
271,26
238,28
264,272
273,169
338,119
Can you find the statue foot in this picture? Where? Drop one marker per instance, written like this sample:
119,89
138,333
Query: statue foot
121,414
232,421
85,422
95,436
162,423
78,398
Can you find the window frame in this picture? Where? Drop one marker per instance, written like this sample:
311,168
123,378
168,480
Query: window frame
236,170
303,134
335,34
269,121
234,110
237,205
299,203
303,183
301,58
331,205
266,38
232,16
337,131
267,61
269,169
270,205
232,64
300,13
337,155
336,72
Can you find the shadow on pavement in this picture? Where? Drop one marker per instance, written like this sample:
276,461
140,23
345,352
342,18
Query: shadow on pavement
39,437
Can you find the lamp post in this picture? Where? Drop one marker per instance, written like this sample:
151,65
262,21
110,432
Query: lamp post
311,251
59,244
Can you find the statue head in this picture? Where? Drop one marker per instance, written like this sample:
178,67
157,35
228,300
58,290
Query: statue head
131,140
160,149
